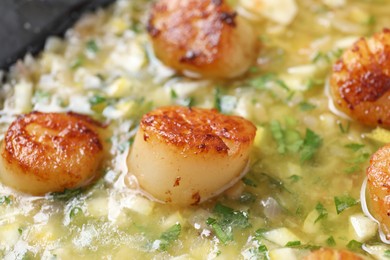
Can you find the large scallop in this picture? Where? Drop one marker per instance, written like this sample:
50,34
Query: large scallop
51,152
187,155
360,82
202,38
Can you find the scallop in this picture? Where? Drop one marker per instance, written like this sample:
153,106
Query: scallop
332,254
360,82
378,184
51,152
185,156
202,38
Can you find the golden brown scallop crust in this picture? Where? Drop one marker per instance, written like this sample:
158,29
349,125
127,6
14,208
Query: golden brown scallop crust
62,150
360,82
378,184
200,130
332,254
202,36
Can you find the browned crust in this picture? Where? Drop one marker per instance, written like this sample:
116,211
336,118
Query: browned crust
191,30
378,184
199,129
61,142
361,81
332,254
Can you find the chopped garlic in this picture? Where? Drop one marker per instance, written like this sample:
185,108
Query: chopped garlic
23,97
281,236
279,11
118,26
380,135
98,207
282,253
362,227
310,225
334,3
121,87
138,204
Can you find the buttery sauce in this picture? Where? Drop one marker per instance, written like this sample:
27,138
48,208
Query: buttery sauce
302,190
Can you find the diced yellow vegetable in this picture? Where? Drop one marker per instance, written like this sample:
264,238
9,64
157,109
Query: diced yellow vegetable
259,136
118,25
98,207
282,254
281,236
363,228
379,135
9,234
310,225
121,87
23,96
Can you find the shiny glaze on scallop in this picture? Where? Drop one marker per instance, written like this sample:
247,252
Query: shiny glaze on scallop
198,130
360,82
378,184
46,152
202,37
185,156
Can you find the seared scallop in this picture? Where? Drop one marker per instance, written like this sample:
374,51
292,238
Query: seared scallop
332,254
360,82
202,38
187,155
378,185
50,152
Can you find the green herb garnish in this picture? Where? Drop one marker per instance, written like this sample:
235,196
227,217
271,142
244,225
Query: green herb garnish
344,202
322,212
169,236
92,46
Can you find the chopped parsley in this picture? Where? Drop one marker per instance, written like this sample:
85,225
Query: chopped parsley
268,82
344,202
344,129
322,212
294,178
92,46
354,146
224,103
173,94
77,63
361,157
306,106
169,236
225,221
354,245
330,241
297,244
293,243
311,144
96,100
278,135
75,211
5,200
41,95
290,140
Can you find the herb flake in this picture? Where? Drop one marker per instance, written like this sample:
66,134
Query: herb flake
169,236
344,202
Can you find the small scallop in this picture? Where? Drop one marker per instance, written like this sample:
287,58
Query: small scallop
360,83
202,38
185,156
50,152
333,254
